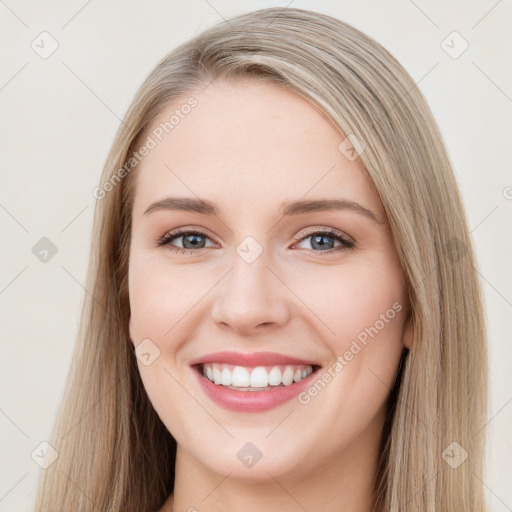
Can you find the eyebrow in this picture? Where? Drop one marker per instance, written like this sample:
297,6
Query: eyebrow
287,209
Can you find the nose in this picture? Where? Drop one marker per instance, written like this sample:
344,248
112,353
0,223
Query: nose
250,298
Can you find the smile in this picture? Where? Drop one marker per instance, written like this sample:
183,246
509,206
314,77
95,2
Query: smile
253,382
259,378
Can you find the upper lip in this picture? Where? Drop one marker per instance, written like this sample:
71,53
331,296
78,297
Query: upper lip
250,359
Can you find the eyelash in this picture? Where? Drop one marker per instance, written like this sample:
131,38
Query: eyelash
333,233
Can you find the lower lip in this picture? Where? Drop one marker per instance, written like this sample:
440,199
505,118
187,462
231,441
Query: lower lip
251,401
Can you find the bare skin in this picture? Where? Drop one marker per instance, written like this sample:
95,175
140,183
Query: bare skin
247,147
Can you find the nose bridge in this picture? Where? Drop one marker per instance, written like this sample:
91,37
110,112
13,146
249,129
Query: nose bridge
251,294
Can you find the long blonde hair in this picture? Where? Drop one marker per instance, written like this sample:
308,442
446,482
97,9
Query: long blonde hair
114,451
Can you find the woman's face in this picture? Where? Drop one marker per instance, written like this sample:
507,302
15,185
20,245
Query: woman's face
314,288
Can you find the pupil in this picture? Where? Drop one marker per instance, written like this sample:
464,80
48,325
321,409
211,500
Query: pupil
194,243
319,240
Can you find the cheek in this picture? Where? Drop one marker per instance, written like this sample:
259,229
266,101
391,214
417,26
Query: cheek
355,301
159,303
160,298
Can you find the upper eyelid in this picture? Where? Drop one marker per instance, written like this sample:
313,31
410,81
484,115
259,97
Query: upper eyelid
171,235
328,231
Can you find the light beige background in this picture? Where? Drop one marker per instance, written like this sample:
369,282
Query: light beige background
58,119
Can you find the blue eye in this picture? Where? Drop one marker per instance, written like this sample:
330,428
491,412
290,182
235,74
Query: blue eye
193,240
320,239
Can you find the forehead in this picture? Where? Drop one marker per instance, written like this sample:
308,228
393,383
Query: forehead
248,143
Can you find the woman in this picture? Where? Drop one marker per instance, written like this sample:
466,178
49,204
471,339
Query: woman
284,310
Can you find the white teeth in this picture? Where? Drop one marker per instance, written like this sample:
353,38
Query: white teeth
240,377
274,376
288,376
258,377
225,377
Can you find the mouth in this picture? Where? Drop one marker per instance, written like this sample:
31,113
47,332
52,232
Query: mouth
259,378
252,382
